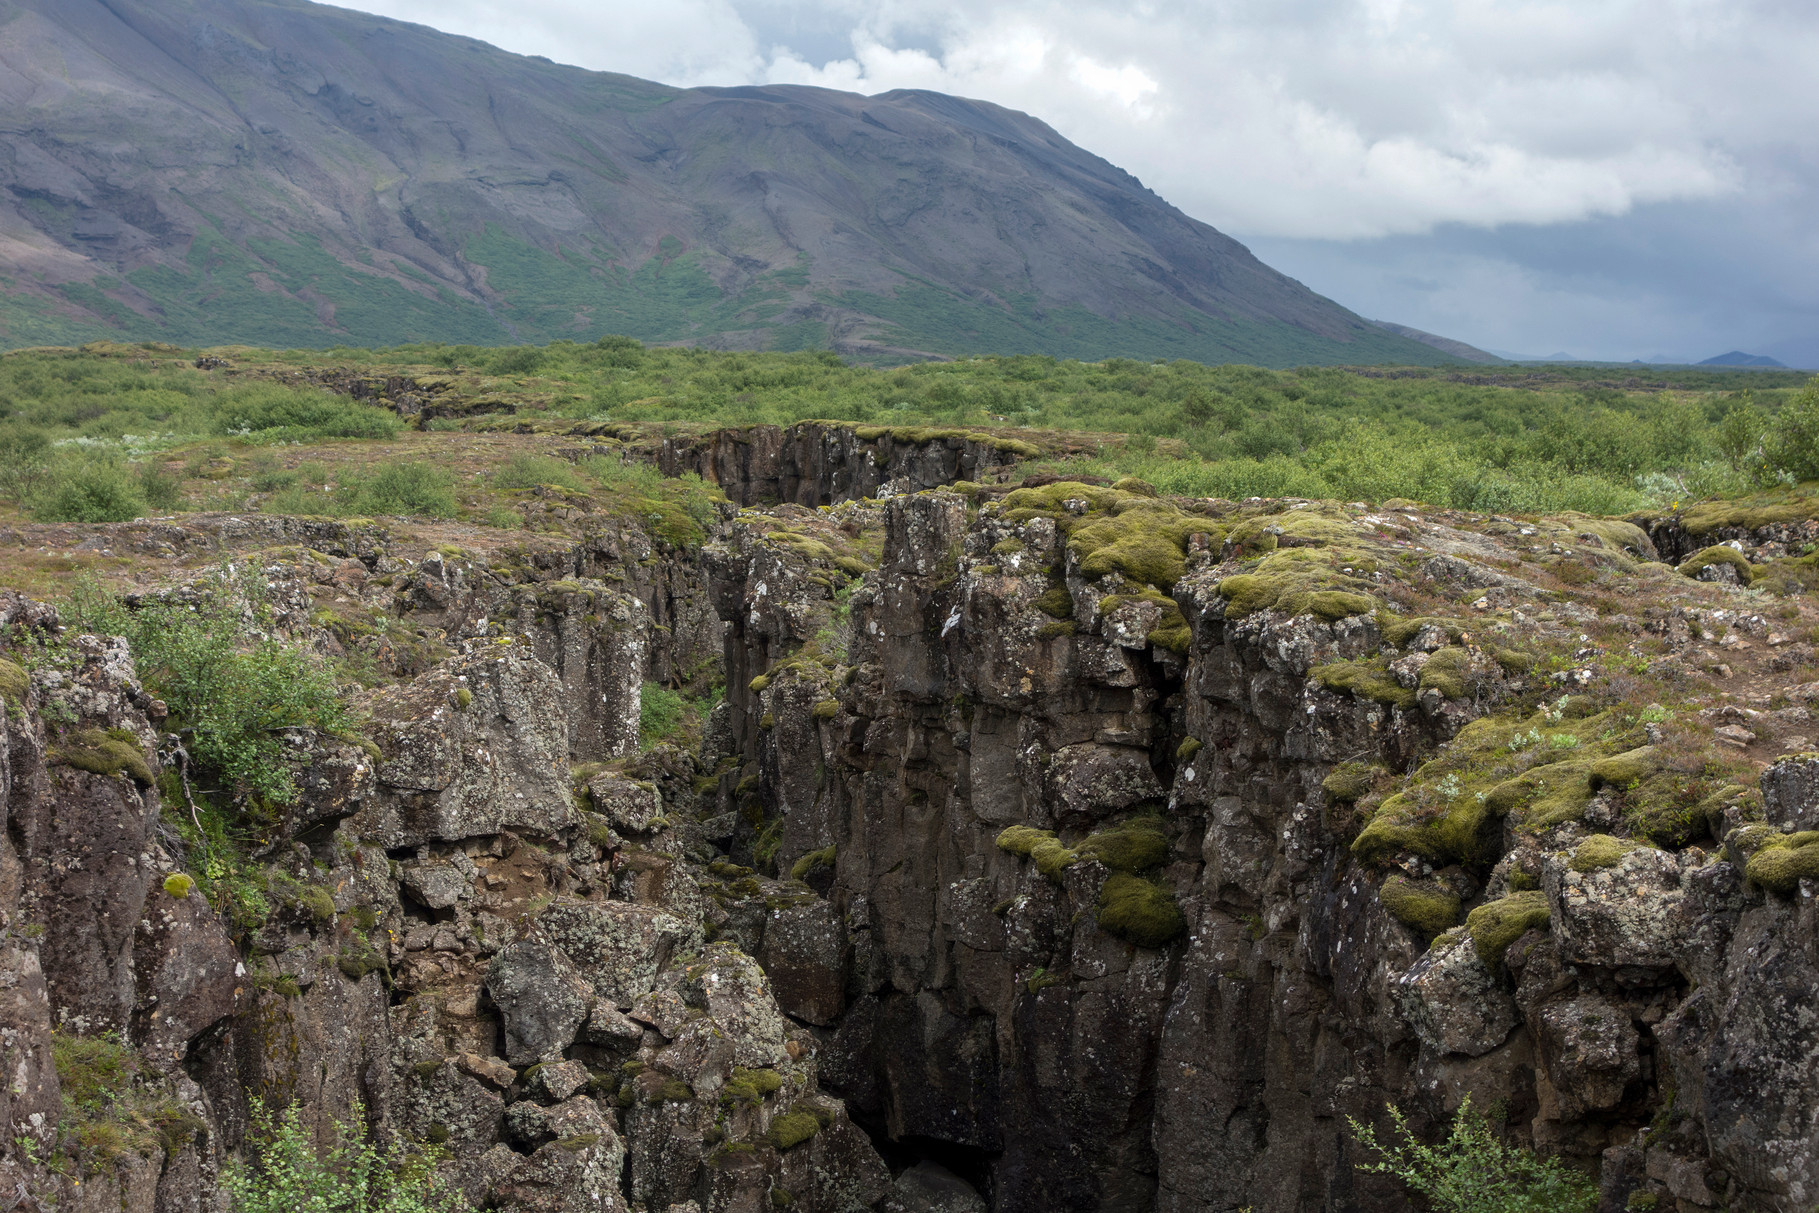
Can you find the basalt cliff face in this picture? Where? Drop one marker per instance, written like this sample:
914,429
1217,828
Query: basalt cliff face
1056,846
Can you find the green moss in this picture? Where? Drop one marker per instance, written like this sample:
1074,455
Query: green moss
826,709
1495,925
14,682
1425,905
1750,513
1139,911
1626,769
1419,821
1783,860
318,903
1719,554
1130,484
824,858
757,685
1135,535
1187,749
1172,632
792,1129
1400,629
767,721
1514,662
1672,809
1008,547
463,698
1349,781
750,1087
1313,563
1134,846
1055,602
1601,851
178,885
1447,671
1369,679
1041,846
852,566
1055,629
1642,1202
780,1197
113,752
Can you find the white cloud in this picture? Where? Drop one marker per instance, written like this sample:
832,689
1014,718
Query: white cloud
1310,118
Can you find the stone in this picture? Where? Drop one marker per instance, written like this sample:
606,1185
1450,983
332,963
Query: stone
630,807
1454,1003
732,988
578,1172
1589,1047
1634,913
618,946
929,1187
542,998
1790,791
436,885
188,975
804,955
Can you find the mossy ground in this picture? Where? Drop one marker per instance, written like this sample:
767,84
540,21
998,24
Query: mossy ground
1781,863
1427,906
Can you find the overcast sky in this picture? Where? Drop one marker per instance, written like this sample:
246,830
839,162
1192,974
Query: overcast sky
1608,178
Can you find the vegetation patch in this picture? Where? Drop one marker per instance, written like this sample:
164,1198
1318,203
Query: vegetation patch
824,858
1720,554
1495,925
792,1129
1427,906
1782,861
1139,911
1113,531
1601,851
104,752
1369,679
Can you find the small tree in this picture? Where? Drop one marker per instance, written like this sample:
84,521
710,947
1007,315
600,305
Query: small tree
1792,444
288,1174
1474,1172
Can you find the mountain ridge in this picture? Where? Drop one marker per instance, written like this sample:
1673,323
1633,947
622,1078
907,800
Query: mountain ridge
278,172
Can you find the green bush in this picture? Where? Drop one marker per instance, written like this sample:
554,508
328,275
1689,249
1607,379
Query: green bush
289,1174
527,471
270,412
1472,1171
660,713
230,688
90,491
401,488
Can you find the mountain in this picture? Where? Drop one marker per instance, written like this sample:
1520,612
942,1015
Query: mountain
1739,358
1446,345
282,173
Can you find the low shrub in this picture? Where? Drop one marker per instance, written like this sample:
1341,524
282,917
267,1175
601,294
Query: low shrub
1472,1171
290,1174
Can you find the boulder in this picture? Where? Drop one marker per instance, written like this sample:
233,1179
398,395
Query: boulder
542,997
1590,1049
619,947
1634,913
1454,1003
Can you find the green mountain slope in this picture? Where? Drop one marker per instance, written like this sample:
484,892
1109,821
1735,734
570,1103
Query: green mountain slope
275,172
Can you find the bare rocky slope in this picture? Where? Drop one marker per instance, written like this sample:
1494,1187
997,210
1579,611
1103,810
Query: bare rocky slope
281,173
1057,846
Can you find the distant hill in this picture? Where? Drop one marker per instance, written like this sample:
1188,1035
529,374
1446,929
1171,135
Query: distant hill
1739,358
1446,345
283,173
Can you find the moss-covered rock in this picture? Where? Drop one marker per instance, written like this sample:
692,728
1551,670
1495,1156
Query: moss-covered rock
1448,671
1781,861
1139,911
1601,851
1427,906
1055,602
1697,563
1135,846
1349,781
1130,533
14,683
792,1129
824,858
1041,846
1496,925
1370,679
1625,769
109,752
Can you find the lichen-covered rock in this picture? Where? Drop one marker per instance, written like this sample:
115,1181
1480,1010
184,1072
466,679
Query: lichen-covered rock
1589,1047
929,1187
1790,793
476,746
804,955
596,639
1455,1003
189,976
543,999
733,990
629,806
578,1172
618,947
1632,913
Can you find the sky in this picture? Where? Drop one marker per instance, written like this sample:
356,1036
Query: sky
1609,179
